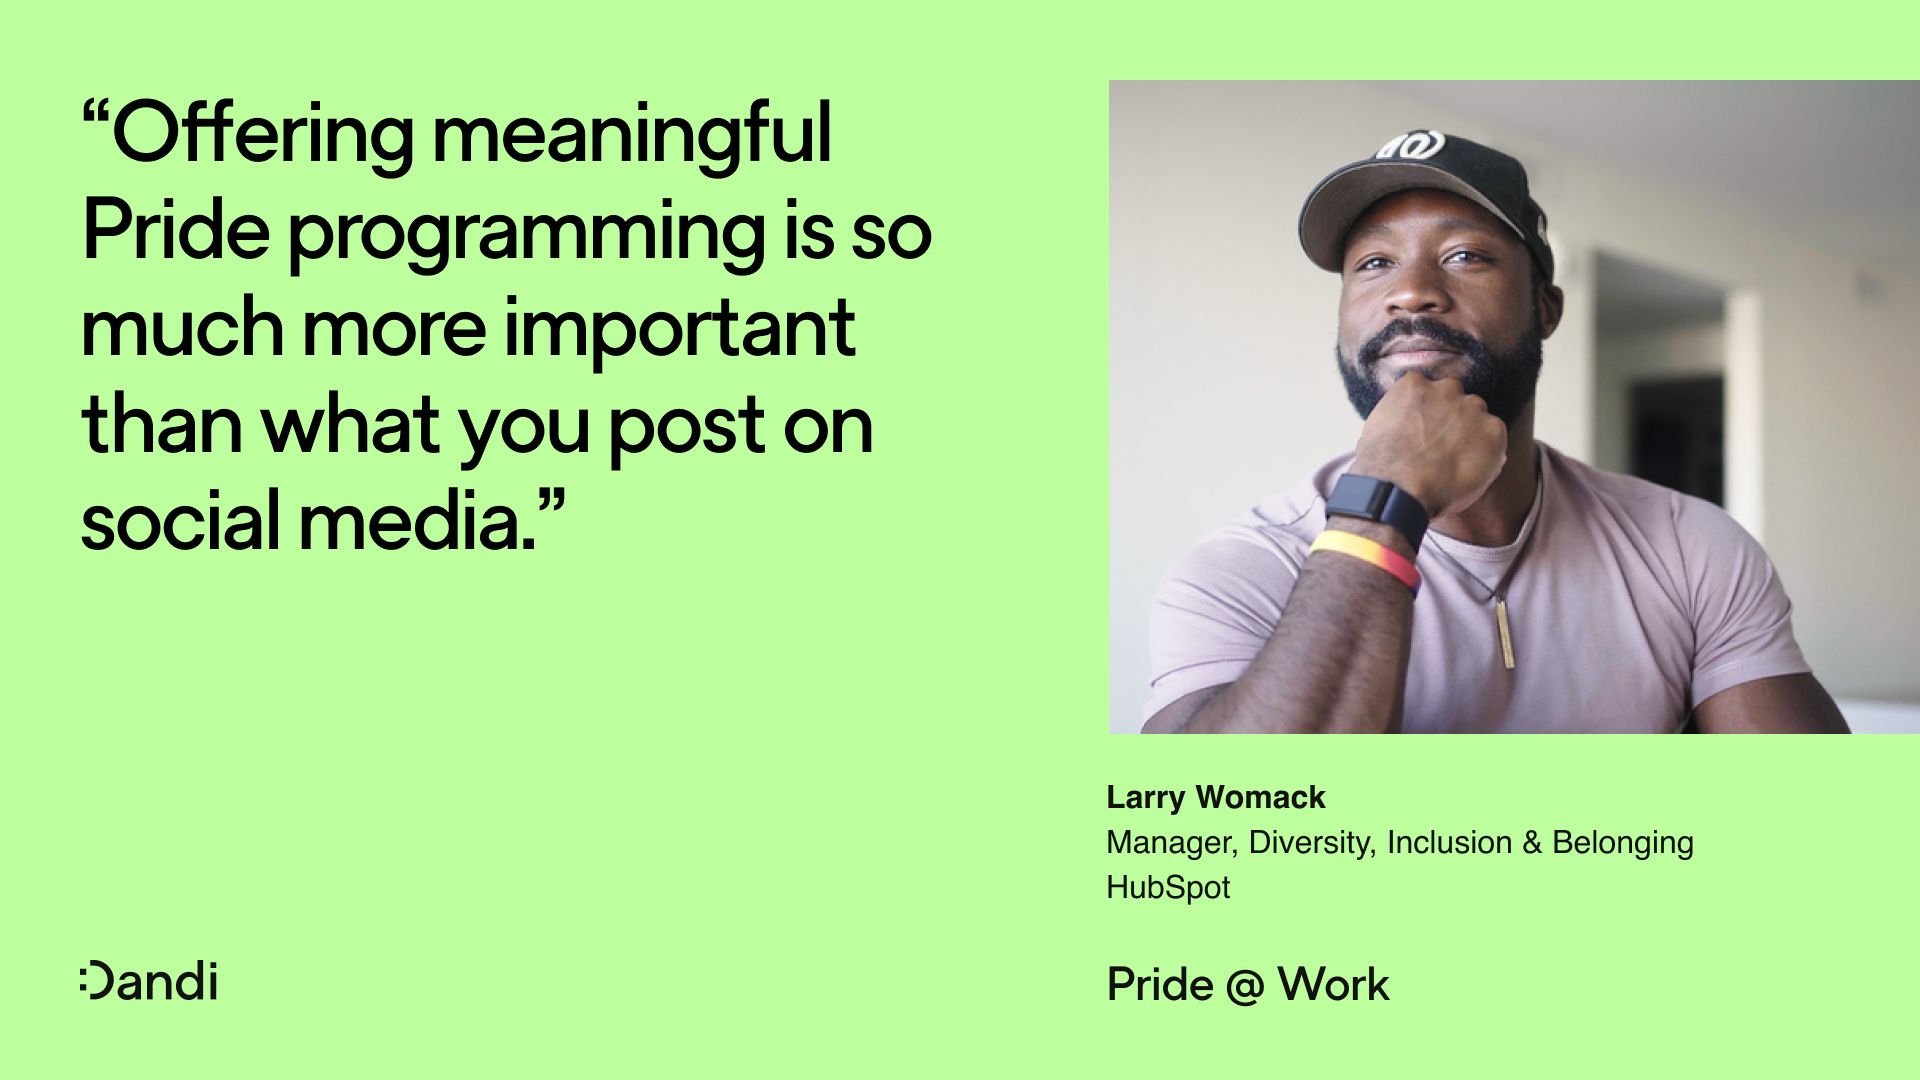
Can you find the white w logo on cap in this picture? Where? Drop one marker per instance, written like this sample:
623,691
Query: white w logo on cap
1414,145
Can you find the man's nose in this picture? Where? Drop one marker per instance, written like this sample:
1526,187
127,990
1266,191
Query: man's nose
1418,289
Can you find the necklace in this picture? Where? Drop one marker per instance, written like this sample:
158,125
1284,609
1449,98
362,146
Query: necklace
1498,593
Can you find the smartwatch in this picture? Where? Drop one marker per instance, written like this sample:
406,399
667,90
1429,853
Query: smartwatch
1378,500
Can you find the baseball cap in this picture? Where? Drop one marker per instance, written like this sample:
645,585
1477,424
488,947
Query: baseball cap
1422,159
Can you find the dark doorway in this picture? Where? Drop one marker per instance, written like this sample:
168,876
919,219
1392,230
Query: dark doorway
1679,435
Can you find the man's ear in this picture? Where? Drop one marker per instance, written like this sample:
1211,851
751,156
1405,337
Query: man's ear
1551,303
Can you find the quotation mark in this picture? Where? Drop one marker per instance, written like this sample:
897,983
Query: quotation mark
554,495
90,113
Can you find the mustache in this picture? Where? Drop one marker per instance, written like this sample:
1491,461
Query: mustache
1425,326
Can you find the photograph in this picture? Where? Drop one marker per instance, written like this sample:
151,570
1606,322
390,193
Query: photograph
1624,424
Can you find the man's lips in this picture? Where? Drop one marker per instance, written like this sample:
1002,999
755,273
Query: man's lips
1415,351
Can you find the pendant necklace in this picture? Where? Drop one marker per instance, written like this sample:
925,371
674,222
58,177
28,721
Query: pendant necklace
1498,594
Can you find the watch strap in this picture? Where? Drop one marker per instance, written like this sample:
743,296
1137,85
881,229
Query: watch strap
1379,500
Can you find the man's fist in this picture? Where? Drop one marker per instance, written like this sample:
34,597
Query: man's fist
1434,441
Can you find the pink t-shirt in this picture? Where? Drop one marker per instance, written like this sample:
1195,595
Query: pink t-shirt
1634,604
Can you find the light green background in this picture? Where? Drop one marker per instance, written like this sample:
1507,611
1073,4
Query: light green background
776,763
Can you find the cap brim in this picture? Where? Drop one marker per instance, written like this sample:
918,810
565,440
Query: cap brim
1341,198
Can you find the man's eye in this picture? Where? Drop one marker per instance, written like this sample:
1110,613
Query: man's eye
1466,256
1374,263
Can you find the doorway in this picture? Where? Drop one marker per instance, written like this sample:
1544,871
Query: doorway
1660,365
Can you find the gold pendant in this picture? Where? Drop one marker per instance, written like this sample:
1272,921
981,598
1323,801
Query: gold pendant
1506,637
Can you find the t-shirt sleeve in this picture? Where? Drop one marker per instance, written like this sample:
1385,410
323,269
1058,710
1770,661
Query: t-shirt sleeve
1742,619
1213,613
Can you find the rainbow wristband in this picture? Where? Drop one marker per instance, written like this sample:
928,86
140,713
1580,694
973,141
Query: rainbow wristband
1366,550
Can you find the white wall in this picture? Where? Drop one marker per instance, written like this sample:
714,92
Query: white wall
1222,388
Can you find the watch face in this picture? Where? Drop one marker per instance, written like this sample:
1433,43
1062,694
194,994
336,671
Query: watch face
1360,496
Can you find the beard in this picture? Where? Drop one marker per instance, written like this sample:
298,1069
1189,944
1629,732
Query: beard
1504,379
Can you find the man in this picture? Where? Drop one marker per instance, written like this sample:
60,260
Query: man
1452,573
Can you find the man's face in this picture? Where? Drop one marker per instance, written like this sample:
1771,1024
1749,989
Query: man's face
1433,283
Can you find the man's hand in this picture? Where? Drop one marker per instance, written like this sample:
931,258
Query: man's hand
1434,441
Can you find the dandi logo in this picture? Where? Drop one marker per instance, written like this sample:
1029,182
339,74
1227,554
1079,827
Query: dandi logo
1414,145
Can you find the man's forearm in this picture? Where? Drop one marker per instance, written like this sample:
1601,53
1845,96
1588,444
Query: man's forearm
1338,659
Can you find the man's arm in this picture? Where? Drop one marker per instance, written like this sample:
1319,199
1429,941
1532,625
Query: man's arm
1337,661
1784,703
